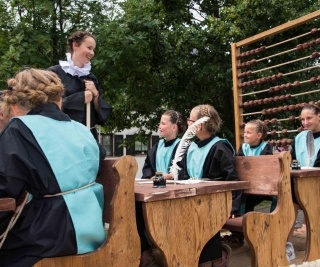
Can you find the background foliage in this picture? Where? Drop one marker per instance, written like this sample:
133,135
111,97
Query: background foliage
151,55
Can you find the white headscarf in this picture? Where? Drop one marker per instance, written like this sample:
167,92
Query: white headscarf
69,67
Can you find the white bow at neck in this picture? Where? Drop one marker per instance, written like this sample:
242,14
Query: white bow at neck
69,67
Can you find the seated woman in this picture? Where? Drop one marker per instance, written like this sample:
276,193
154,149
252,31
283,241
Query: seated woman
159,158
254,144
56,161
211,157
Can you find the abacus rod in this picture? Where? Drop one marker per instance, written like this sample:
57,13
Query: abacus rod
274,55
286,119
266,90
305,93
252,113
288,40
282,64
258,92
289,131
276,30
296,71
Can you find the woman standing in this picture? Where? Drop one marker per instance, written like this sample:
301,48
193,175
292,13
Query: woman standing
81,86
56,161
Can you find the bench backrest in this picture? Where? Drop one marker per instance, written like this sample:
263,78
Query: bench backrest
265,233
263,172
122,246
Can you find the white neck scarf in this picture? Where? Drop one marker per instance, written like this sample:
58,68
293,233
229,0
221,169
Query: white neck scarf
69,67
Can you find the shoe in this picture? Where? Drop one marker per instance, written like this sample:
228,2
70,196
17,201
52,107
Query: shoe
148,259
222,262
235,240
290,252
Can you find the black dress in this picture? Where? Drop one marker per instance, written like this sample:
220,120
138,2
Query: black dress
218,165
73,101
47,227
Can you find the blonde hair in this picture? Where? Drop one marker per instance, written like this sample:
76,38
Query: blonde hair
32,88
214,123
260,127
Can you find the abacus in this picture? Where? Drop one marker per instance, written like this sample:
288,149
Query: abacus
275,73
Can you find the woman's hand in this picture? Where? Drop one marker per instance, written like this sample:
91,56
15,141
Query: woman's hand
87,97
90,86
168,176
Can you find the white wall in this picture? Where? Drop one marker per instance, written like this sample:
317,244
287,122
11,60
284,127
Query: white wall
140,159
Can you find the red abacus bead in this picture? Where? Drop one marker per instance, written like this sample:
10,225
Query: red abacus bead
312,43
318,41
266,122
314,30
269,110
262,48
315,55
313,79
292,118
284,131
274,121
273,132
300,129
299,47
277,88
305,45
296,83
289,141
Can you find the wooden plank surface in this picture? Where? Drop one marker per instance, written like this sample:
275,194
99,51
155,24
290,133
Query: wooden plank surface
307,191
144,192
180,227
263,171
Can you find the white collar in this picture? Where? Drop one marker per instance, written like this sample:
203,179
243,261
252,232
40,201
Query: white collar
69,67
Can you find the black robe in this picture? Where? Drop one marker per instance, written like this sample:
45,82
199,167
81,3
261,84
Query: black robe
317,161
218,166
73,101
45,228
149,167
266,151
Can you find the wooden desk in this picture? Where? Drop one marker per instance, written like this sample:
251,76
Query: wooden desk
307,191
182,218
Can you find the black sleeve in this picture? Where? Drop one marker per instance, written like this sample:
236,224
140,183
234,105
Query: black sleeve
219,165
240,151
149,167
267,150
293,151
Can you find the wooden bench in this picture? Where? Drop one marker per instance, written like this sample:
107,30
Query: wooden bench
122,245
266,233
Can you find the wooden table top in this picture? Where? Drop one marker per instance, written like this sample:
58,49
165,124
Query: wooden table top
144,191
305,172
